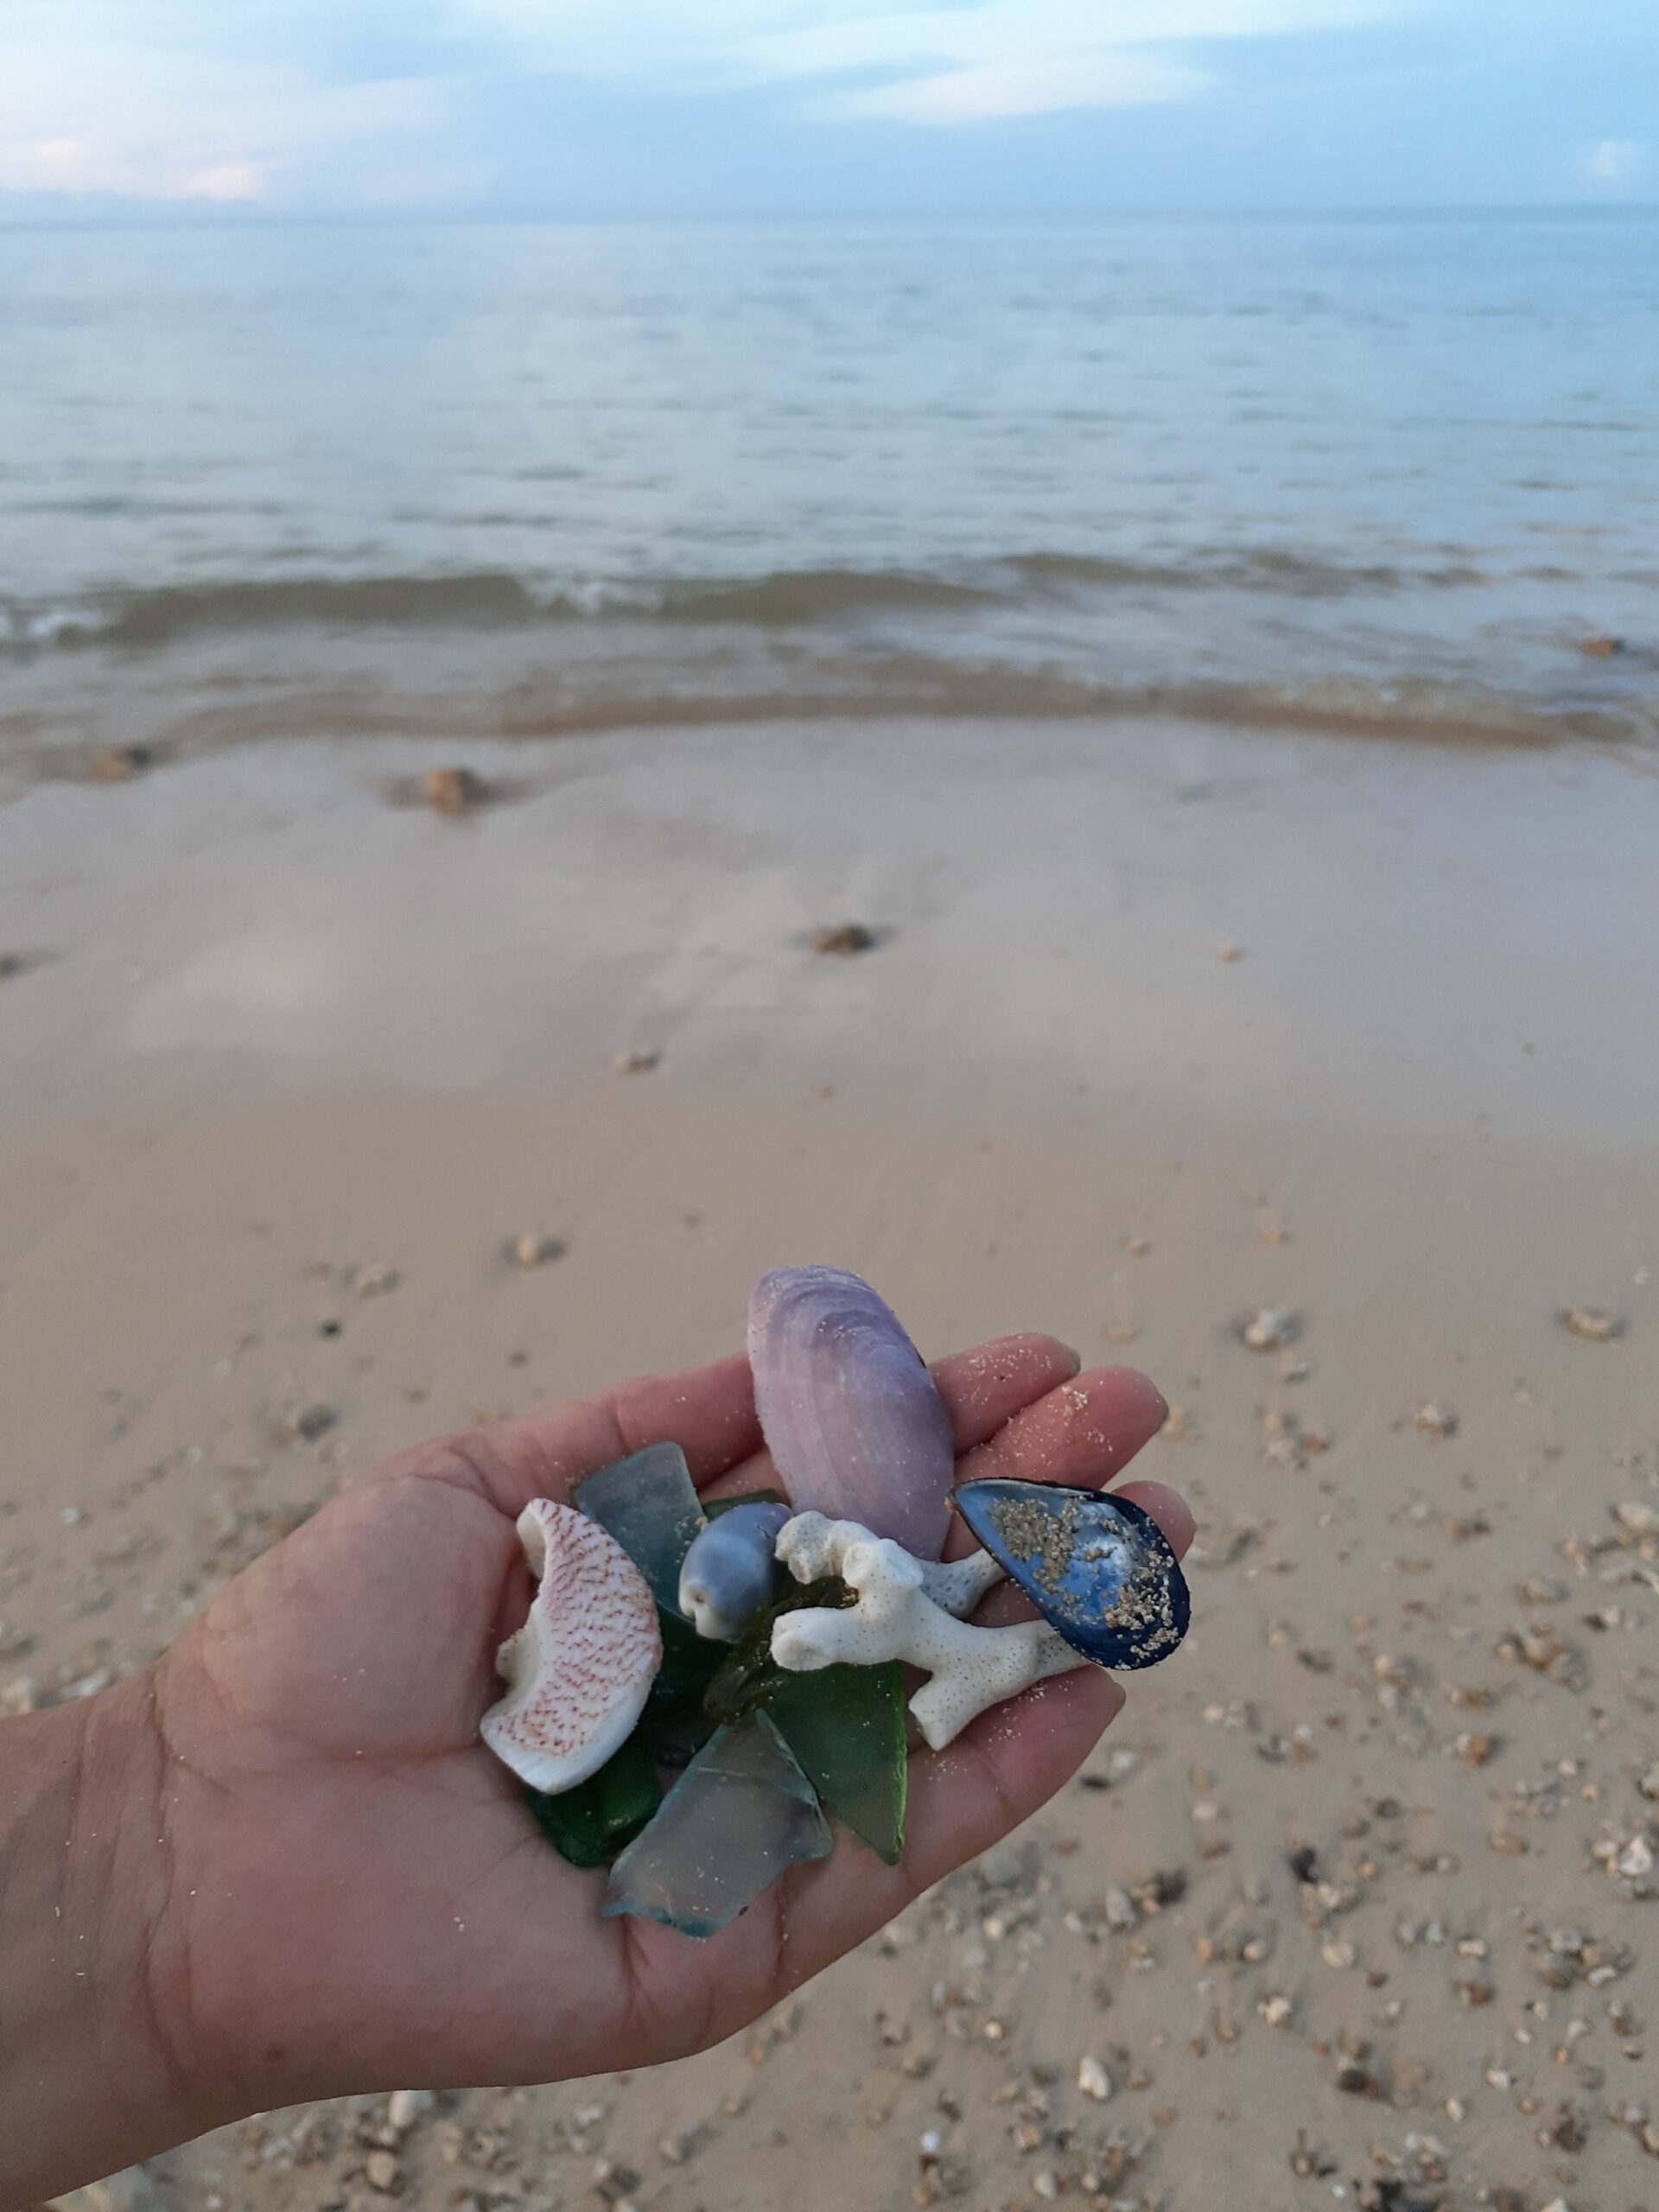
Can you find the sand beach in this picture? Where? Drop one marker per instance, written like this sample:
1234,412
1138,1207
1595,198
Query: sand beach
1164,1029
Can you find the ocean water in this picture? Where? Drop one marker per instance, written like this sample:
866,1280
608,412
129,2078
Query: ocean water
1385,471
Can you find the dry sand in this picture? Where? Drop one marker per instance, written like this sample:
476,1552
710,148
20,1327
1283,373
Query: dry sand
285,1067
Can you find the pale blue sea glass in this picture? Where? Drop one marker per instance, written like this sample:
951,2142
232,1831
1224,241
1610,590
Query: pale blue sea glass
648,1503
741,1814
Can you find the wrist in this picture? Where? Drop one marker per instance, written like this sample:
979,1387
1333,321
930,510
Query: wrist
97,2068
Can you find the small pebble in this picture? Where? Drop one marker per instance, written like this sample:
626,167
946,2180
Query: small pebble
118,764
1436,1419
382,2171
1600,648
1269,1328
1594,1323
453,791
635,1062
406,2107
1229,952
842,937
535,1251
1093,2079
370,1281
308,1423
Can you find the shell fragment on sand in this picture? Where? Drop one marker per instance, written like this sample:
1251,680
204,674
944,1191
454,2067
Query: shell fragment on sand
1098,1568
855,1425
579,1671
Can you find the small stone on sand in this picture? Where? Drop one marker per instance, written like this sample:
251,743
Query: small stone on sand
382,2171
535,1251
842,937
308,1423
453,791
1594,1323
1600,648
118,764
636,1061
370,1281
1269,1328
1093,2079
1436,1419
1229,952
406,2107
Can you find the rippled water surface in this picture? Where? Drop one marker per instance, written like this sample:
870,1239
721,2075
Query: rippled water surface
1371,468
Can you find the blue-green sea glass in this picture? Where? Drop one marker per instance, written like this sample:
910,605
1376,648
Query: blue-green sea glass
741,1814
647,1502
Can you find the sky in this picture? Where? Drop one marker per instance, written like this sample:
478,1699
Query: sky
231,108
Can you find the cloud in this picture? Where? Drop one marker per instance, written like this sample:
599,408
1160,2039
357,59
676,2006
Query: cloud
109,118
382,103
936,64
1616,164
1033,85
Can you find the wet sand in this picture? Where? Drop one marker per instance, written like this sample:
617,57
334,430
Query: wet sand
1162,1026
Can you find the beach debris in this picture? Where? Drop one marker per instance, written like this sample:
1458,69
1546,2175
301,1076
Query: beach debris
118,764
849,1411
535,1249
1436,1419
842,938
579,1671
1602,648
1229,952
374,1280
1098,1568
730,1570
638,1060
741,1814
1594,1323
455,790
891,1617
1637,1519
1269,1328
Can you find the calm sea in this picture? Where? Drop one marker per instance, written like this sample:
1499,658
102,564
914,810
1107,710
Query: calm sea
1365,470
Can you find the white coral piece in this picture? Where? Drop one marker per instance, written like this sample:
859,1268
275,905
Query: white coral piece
579,1671
907,1609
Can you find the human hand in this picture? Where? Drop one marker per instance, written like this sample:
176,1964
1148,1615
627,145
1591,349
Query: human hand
355,1894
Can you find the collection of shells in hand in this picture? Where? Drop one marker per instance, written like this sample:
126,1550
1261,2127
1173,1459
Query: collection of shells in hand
759,1647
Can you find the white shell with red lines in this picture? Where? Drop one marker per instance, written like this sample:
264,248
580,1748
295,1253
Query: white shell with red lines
579,1671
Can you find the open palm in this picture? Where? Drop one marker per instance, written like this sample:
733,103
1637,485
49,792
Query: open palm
359,1898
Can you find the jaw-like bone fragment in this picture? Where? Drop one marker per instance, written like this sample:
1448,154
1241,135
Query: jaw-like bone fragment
907,1608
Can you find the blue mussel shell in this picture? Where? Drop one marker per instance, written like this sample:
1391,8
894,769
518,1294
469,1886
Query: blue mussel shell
1098,1568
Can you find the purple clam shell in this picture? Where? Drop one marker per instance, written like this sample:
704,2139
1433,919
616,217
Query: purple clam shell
856,1427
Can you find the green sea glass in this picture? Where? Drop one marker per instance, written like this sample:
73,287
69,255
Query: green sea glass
590,1824
649,1503
741,1814
846,1725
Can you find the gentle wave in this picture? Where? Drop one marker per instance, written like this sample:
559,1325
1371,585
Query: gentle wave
782,599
